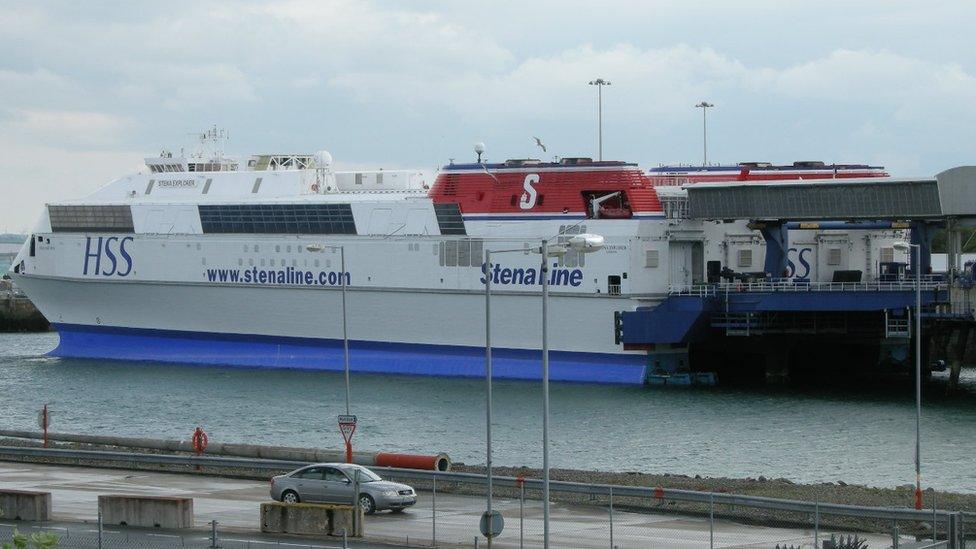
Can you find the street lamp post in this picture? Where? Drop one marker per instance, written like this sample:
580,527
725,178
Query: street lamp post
599,83
904,247
345,331
488,376
582,243
704,106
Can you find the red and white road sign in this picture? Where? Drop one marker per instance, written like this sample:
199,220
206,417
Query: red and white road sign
347,425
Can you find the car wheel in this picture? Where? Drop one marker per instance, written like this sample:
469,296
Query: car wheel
367,503
290,496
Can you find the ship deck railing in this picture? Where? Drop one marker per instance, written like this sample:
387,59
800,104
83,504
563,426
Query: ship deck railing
775,285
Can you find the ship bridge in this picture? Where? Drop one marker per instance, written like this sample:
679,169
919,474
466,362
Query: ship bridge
770,305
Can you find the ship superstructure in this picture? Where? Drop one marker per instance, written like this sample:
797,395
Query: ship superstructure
225,261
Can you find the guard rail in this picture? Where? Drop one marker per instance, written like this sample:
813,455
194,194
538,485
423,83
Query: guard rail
883,513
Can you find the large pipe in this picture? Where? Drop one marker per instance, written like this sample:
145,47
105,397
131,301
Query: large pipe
438,462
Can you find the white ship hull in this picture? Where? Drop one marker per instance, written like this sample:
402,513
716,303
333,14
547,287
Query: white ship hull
390,331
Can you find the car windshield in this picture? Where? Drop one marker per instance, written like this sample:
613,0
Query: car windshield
365,475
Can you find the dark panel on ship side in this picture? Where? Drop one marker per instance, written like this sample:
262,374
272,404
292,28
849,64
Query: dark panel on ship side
814,200
90,219
449,218
277,218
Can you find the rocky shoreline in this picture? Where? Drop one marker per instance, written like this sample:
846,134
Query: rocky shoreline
828,492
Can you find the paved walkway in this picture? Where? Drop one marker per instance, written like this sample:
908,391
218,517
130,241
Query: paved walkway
235,504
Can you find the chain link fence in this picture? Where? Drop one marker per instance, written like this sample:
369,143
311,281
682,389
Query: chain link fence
618,517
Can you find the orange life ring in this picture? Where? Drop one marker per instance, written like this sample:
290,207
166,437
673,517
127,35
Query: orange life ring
199,440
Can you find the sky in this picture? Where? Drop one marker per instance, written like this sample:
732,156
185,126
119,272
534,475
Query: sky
89,89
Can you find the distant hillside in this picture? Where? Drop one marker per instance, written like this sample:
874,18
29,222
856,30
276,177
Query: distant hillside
13,238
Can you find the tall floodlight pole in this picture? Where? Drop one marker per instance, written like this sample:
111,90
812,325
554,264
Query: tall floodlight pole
904,247
488,376
599,83
345,331
918,376
544,273
704,106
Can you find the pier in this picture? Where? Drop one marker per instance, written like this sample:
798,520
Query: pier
17,312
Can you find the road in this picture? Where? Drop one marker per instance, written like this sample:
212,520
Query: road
235,504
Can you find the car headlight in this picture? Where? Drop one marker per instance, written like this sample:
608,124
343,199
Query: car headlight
390,493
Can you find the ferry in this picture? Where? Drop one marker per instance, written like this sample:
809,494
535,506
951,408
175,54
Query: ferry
212,260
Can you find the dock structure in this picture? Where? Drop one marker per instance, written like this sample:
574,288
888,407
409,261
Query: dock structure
798,323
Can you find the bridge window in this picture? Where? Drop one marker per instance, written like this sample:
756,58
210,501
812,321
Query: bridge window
278,219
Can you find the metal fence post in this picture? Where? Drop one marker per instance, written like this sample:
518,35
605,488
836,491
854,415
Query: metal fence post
345,541
611,517
711,520
816,524
433,516
99,528
894,534
521,515
213,535
953,532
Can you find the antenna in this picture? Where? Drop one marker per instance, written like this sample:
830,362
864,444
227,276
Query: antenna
211,143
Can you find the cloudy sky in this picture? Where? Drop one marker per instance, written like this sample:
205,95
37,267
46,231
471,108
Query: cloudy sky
87,89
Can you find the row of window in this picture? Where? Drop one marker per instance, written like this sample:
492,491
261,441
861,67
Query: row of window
79,219
160,168
278,219
449,218
461,253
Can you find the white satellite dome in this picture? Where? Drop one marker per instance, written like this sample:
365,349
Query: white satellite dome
323,160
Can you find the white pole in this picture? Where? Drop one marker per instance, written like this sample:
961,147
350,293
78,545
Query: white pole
918,377
704,136
345,333
488,376
600,116
545,392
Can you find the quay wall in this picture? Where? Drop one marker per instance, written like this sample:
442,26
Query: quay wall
18,314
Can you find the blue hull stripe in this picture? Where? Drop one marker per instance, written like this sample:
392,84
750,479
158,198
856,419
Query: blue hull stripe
258,351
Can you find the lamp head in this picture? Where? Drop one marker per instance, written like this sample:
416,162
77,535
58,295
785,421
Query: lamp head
902,246
586,243
315,247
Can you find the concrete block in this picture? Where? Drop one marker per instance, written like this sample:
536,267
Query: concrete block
146,511
25,505
311,519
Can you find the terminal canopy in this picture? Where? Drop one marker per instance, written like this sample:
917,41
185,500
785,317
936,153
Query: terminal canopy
951,193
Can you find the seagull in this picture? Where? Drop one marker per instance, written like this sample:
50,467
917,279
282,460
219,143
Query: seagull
539,143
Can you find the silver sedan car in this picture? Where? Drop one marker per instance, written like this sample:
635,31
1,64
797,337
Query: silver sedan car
335,483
